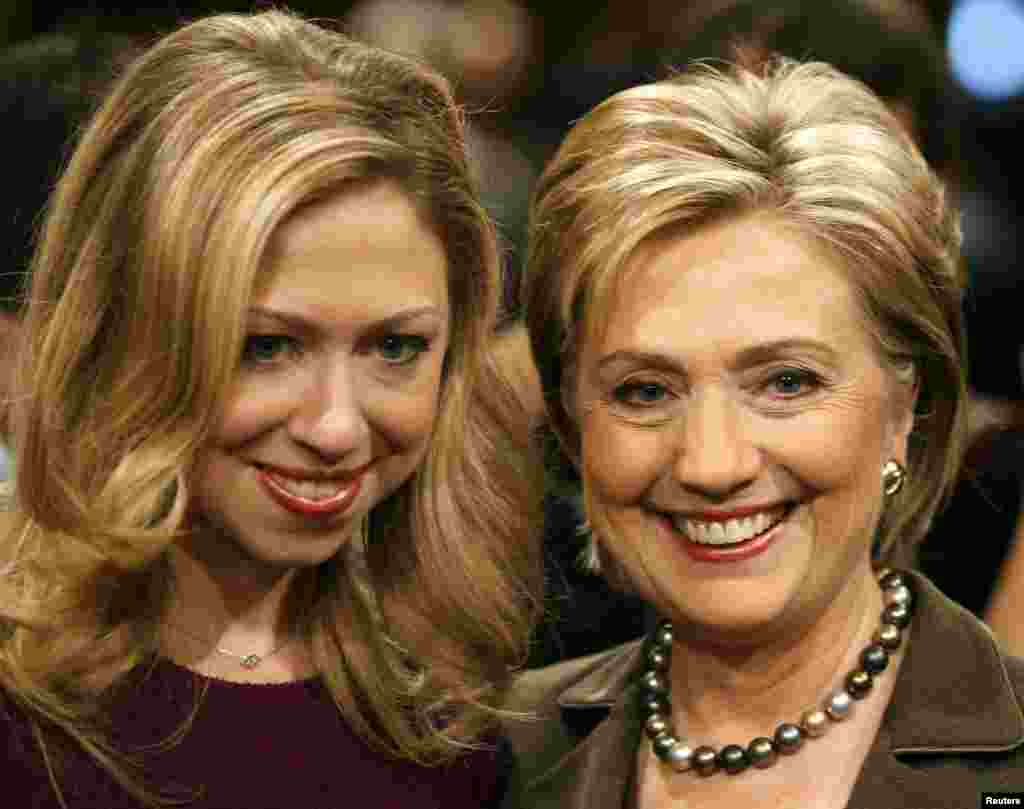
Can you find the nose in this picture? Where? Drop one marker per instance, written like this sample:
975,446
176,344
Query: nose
329,418
716,456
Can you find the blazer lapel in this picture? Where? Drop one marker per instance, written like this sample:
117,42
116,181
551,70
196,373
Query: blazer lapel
954,697
598,773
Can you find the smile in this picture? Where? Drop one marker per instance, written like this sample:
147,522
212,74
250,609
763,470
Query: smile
312,496
730,531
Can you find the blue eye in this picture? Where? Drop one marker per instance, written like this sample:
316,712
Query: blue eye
640,394
792,382
265,349
401,349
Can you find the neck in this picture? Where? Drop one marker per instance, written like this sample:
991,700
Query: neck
234,604
721,694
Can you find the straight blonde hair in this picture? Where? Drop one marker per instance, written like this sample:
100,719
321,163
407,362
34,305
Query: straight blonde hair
822,153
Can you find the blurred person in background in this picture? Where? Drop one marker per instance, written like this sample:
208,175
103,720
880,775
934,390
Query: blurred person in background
48,87
487,49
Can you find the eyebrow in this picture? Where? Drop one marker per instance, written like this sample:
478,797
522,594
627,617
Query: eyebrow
392,321
754,355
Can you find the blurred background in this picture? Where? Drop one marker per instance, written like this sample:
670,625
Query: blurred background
526,69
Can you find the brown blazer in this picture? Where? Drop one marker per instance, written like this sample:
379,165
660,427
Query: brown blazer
954,728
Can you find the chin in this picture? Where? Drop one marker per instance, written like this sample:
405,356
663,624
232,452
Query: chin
735,631
298,553
735,604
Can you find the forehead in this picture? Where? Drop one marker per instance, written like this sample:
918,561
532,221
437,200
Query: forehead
730,285
367,246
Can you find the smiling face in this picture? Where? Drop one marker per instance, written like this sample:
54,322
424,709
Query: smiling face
338,384
734,419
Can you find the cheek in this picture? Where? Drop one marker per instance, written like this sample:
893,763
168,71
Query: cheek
848,451
406,422
406,418
253,407
842,465
620,462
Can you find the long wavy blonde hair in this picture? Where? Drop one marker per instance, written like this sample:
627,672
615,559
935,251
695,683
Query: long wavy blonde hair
148,257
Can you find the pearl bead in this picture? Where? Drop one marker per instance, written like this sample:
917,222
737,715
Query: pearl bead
839,705
679,757
654,684
814,723
888,636
657,659
788,738
663,635
705,760
896,614
874,659
897,595
859,684
761,752
892,579
733,759
655,725
663,744
651,704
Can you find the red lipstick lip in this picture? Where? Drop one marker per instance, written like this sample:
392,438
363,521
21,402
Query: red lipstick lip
330,507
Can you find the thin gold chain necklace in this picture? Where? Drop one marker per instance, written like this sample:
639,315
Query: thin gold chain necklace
246,661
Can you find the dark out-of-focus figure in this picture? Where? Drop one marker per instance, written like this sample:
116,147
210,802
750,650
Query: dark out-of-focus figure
892,47
487,48
48,87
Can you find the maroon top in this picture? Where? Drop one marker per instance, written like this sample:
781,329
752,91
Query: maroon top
274,746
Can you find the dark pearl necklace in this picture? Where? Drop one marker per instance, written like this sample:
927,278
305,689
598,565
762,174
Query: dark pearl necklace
762,752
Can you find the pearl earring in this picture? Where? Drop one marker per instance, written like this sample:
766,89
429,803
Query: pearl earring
893,476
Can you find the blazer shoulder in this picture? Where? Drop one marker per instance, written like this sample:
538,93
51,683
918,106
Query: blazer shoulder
550,710
536,690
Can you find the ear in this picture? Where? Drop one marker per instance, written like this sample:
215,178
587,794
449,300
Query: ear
904,398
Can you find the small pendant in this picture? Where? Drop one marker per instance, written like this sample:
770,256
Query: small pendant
250,661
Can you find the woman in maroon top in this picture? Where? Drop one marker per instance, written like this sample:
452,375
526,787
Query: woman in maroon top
267,544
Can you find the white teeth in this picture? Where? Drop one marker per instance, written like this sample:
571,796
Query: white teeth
309,489
728,532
